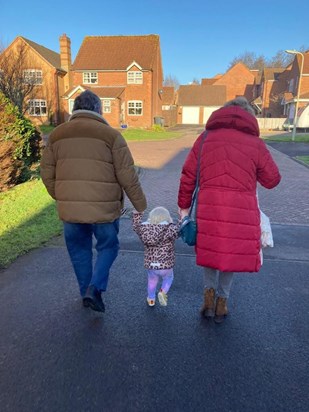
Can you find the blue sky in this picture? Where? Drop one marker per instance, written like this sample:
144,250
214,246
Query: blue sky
198,38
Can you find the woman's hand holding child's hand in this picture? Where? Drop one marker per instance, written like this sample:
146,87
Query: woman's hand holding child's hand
183,212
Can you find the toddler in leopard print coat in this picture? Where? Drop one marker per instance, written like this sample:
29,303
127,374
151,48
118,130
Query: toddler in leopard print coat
158,235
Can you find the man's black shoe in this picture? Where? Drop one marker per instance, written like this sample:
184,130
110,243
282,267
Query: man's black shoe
93,299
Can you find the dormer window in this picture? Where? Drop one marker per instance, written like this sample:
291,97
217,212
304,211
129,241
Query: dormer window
33,76
90,77
135,77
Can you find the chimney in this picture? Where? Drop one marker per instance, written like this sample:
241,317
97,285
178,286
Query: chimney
65,59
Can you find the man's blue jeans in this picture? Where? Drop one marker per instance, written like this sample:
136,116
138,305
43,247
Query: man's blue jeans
78,238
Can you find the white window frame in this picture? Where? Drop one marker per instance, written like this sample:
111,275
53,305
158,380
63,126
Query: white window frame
71,104
90,77
135,106
37,107
106,106
135,77
33,76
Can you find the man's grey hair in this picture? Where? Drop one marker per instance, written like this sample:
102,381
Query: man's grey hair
241,102
87,100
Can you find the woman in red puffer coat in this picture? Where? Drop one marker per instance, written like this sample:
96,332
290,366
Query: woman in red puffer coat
233,159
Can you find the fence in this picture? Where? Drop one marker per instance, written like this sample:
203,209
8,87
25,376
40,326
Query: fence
271,123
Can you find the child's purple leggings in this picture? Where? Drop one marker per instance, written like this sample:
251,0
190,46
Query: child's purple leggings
167,276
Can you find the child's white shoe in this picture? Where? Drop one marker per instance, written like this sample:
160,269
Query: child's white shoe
162,298
151,302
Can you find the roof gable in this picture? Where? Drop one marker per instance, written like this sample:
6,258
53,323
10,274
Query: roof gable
238,69
102,92
117,52
50,56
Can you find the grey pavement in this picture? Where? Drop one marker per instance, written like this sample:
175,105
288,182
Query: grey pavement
57,356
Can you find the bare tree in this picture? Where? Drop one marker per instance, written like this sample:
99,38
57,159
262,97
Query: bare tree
171,80
250,59
15,84
280,59
195,81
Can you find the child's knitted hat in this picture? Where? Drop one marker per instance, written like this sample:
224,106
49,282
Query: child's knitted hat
159,215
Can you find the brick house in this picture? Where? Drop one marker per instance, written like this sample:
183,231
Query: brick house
169,108
238,81
43,68
125,72
195,103
273,85
292,84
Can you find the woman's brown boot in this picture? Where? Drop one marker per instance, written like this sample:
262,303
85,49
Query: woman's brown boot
221,310
208,308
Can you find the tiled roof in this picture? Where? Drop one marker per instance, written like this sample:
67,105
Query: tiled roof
52,57
208,82
116,52
196,95
271,73
306,62
102,92
168,96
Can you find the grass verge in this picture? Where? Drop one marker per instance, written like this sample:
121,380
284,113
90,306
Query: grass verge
29,218
143,135
280,138
303,159
46,129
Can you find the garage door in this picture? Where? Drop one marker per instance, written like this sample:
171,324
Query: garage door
190,115
208,111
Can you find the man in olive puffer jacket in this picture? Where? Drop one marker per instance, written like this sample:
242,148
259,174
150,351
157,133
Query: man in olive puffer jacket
86,166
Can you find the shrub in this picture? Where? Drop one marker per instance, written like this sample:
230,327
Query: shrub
157,128
20,145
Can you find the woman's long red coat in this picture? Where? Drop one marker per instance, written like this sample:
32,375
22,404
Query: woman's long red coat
233,160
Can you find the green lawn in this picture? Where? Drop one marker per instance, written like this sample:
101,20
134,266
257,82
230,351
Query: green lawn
46,129
285,138
134,134
142,134
303,159
28,219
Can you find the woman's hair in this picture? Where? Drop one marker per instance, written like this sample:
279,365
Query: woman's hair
158,215
87,100
241,102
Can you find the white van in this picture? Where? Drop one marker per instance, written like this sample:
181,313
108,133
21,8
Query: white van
302,120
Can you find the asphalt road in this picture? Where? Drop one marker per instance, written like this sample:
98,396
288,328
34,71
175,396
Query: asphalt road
291,149
57,356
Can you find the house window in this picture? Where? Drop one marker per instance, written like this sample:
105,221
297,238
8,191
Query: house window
135,108
71,104
33,76
37,107
106,106
90,77
291,86
135,77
